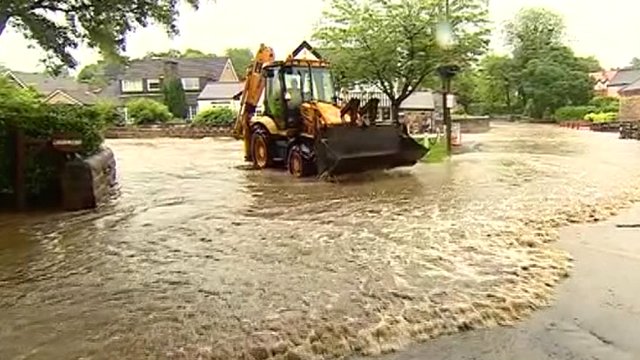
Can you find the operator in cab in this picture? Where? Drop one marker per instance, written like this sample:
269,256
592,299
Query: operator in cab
293,96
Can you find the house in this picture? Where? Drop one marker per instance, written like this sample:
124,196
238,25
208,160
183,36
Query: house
622,79
143,77
602,81
420,102
218,94
55,90
630,102
417,111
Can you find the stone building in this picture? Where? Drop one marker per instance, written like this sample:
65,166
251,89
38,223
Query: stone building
630,102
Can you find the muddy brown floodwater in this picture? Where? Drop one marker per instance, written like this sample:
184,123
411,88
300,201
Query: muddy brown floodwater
198,258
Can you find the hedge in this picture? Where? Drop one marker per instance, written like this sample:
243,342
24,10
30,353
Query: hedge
24,110
574,112
221,116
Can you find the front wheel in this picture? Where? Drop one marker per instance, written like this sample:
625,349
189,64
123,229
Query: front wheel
297,165
261,149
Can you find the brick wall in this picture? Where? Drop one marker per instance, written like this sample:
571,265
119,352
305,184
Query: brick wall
630,107
173,131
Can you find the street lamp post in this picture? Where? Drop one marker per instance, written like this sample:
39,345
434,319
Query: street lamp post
447,72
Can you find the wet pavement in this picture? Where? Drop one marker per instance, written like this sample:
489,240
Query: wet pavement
197,257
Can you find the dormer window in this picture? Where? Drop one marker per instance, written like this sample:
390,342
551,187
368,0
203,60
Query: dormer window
153,85
131,86
191,83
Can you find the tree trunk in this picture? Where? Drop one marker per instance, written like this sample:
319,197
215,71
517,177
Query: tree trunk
508,99
4,19
395,111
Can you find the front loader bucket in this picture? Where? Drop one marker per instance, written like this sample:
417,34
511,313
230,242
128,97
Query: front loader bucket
350,149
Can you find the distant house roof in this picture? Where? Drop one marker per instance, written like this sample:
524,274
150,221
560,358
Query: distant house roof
50,86
207,67
44,83
76,95
625,77
220,90
419,100
634,86
604,76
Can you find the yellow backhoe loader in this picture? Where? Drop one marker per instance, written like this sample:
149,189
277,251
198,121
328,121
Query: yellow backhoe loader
302,127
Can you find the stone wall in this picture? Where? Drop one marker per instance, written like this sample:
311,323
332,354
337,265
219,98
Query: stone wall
87,182
630,108
474,125
175,131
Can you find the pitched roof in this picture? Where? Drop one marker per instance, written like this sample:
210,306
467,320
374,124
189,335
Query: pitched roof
604,76
625,77
80,96
207,67
220,90
419,100
634,86
45,83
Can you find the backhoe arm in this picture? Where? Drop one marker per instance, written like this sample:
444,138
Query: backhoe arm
253,87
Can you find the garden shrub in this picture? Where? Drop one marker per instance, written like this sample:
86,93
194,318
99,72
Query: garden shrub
147,111
219,116
602,117
574,112
605,104
109,113
22,109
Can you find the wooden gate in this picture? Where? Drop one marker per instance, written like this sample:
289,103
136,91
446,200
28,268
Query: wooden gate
60,147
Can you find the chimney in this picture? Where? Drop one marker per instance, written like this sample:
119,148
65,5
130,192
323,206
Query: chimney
170,69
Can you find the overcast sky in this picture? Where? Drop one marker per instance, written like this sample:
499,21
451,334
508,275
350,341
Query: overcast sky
604,28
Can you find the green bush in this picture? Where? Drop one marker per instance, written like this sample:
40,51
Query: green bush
147,111
602,117
23,110
220,116
109,113
605,102
573,112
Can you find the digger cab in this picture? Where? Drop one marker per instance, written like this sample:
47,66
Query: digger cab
288,87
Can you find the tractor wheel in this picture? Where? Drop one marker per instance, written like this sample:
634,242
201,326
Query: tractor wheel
297,165
261,149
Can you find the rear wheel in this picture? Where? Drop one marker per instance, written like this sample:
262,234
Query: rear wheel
261,149
297,165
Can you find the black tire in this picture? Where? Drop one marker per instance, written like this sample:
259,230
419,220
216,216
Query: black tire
297,165
261,148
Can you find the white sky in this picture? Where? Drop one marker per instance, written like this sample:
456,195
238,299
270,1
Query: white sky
604,28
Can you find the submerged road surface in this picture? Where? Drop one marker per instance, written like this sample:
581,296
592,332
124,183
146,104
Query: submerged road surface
197,257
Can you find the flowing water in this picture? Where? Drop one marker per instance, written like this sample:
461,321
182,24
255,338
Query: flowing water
197,257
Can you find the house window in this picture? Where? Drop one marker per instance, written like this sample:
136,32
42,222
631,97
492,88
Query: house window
153,85
191,83
131,85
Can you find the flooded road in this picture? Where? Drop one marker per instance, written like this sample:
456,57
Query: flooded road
199,258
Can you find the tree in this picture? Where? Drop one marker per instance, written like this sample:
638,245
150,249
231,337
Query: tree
399,58
101,24
533,30
241,59
173,53
555,80
101,73
496,84
547,72
635,63
174,97
590,63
